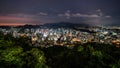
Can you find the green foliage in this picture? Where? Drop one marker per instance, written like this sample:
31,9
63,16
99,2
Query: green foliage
12,56
80,48
38,58
97,54
17,53
11,53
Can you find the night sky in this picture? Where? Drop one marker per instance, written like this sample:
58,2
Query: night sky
92,12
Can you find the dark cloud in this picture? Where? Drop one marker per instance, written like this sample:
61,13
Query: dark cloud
47,11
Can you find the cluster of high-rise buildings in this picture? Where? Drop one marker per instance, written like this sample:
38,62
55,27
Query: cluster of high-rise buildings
66,36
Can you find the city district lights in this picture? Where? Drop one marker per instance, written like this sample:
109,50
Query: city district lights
66,36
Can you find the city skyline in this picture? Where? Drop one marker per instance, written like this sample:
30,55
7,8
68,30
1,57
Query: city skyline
95,12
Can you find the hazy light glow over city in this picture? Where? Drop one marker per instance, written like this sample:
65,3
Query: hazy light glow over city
95,12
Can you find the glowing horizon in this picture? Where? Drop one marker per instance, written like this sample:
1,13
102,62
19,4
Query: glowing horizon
12,24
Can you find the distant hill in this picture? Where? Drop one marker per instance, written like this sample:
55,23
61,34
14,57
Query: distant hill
50,25
64,25
5,27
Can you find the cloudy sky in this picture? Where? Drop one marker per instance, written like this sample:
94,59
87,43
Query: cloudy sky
92,12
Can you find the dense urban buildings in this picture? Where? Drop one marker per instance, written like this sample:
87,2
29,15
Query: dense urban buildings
46,37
